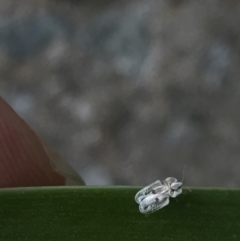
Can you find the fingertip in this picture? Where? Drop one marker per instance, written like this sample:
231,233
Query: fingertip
23,160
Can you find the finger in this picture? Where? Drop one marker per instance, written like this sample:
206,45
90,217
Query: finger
25,160
62,167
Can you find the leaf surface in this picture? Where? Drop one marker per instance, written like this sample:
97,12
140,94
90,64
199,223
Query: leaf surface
111,214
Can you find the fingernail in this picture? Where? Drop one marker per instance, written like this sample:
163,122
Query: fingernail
61,166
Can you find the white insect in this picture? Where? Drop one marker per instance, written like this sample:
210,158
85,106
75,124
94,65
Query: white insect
156,195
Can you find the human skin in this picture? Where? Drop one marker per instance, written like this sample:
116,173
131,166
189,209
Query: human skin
25,160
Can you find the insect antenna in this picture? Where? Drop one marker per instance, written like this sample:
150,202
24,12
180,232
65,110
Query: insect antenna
183,176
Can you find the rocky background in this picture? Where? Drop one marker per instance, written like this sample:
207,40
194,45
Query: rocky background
129,91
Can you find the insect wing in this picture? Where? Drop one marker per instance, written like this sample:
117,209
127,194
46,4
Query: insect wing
146,208
170,180
163,189
176,185
146,191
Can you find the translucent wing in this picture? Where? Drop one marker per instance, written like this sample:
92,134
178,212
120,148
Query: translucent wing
170,180
153,203
147,190
163,189
176,185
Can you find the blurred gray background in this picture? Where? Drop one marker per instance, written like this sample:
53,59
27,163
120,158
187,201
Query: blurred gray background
128,91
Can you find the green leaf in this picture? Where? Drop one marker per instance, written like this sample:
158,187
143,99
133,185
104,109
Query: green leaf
111,214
